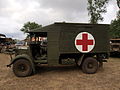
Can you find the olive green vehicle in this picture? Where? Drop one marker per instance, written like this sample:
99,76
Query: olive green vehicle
87,45
115,46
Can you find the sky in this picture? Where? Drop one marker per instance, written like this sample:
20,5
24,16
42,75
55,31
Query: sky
14,13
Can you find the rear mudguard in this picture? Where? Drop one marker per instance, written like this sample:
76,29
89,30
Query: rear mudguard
23,56
83,56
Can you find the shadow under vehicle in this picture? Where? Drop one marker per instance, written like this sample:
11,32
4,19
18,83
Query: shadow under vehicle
87,45
115,47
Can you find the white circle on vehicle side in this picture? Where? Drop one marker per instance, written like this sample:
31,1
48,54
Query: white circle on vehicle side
84,42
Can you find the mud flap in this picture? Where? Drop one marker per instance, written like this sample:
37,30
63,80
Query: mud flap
80,60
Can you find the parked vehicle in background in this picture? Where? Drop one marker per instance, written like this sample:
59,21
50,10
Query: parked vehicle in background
6,44
115,46
2,42
21,45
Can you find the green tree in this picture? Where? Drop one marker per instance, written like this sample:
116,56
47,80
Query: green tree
118,14
30,26
95,9
115,28
118,3
115,25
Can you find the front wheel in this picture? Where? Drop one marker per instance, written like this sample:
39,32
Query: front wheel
90,65
22,68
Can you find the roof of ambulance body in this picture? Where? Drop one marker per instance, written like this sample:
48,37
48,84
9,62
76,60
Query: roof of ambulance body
59,24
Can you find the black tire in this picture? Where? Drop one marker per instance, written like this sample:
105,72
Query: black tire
90,65
22,68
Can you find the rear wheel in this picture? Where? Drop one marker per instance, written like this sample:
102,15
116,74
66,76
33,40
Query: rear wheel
90,65
22,68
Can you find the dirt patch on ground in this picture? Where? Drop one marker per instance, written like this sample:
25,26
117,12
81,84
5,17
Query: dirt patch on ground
62,78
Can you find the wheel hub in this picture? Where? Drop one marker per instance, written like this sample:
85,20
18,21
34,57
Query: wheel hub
90,65
21,67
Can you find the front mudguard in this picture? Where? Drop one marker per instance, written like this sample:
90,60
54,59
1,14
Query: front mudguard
23,56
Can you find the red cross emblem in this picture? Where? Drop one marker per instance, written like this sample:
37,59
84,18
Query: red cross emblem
84,42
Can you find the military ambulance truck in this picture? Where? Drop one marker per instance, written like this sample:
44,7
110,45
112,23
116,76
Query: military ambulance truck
87,45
